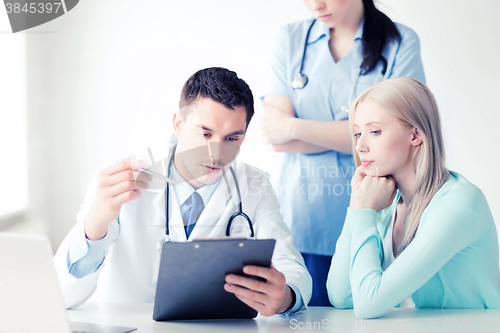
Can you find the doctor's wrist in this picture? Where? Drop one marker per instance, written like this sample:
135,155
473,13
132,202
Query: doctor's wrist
289,301
94,231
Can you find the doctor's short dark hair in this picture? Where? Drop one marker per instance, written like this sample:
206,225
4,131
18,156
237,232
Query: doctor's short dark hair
222,86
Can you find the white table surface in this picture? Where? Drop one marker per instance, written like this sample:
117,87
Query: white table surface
316,319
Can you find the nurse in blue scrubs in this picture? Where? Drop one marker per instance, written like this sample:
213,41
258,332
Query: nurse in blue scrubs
319,67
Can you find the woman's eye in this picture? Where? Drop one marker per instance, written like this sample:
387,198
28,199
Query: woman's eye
357,135
376,132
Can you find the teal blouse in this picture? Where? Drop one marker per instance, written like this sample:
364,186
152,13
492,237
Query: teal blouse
453,261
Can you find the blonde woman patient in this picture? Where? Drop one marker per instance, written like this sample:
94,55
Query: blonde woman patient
415,234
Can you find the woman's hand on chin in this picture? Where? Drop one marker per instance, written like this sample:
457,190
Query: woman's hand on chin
370,192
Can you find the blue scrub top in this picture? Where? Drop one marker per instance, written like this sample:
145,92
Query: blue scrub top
314,189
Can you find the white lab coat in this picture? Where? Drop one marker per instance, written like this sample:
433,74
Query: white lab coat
130,269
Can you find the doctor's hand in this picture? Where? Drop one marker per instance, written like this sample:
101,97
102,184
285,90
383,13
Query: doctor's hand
276,125
371,192
268,298
116,185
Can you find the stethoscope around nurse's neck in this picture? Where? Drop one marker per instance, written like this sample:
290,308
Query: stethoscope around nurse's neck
230,221
300,80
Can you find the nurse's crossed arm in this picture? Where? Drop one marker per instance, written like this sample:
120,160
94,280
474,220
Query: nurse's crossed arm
116,185
287,133
268,298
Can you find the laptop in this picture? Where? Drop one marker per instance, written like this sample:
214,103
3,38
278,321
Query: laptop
30,297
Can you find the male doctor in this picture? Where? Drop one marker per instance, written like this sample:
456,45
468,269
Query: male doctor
111,254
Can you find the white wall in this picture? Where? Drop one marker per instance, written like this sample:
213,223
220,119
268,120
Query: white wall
13,113
101,74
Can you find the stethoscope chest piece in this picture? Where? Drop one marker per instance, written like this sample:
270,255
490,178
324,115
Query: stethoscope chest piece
299,81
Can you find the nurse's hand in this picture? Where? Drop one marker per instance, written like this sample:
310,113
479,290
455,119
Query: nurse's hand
268,298
116,185
276,125
369,192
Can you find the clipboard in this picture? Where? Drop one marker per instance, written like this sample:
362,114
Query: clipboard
192,276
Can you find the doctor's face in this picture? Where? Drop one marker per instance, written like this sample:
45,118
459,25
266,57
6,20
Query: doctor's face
383,143
332,12
210,135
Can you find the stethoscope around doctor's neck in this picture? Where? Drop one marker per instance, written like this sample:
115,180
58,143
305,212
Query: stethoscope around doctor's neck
300,80
230,221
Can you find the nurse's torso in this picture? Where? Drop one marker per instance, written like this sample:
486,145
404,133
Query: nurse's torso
314,189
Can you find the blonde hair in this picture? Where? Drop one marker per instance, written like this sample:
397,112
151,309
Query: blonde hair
413,104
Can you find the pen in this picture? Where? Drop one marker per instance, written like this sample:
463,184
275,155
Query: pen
157,175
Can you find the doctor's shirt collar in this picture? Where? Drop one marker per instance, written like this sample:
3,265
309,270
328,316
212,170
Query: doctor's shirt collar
183,190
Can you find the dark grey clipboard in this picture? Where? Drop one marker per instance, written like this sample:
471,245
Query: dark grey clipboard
192,276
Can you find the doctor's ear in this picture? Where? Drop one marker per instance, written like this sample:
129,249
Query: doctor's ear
416,137
177,122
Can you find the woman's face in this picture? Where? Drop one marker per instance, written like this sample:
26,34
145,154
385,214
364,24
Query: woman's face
383,143
330,12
